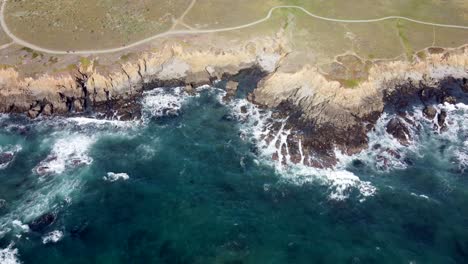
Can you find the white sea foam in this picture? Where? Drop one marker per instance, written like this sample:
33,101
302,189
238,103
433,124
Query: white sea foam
387,153
52,237
257,126
86,121
341,183
163,102
384,152
204,87
112,177
422,196
68,152
146,151
427,136
18,224
50,193
9,255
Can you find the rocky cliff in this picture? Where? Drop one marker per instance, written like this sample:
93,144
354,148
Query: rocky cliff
324,111
326,116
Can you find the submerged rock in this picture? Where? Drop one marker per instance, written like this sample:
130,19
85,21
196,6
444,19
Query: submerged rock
42,222
6,158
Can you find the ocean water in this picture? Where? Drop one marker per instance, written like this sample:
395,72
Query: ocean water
194,183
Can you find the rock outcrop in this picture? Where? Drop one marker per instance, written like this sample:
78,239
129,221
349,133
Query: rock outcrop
91,87
328,116
324,111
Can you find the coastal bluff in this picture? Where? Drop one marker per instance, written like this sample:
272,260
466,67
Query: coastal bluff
324,111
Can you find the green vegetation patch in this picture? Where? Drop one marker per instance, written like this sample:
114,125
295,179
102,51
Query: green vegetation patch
85,62
350,83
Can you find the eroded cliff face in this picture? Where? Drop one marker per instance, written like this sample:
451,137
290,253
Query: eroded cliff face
324,116
89,87
323,110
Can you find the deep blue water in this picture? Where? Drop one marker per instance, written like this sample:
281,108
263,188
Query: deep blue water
197,192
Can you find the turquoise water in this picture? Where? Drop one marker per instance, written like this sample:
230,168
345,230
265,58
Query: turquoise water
191,185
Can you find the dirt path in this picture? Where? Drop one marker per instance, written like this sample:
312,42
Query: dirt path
206,31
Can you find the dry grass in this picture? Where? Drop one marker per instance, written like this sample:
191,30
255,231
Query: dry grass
4,39
99,24
90,24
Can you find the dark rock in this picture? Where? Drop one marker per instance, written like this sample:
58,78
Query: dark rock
449,99
441,118
358,163
464,85
426,95
430,112
393,153
243,109
6,157
275,156
42,222
376,146
409,161
228,118
435,50
398,129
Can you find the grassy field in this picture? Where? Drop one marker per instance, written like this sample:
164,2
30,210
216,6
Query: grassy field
4,39
90,24
100,24
227,13
438,11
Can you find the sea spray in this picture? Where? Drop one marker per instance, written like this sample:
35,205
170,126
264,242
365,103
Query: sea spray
257,127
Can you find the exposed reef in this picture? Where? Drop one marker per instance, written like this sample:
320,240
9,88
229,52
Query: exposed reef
323,116
323,109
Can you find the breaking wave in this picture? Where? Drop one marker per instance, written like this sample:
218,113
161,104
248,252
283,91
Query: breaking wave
67,153
51,193
112,177
52,237
161,102
273,149
445,135
9,255
60,171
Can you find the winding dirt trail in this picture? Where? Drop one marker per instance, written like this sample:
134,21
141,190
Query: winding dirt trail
4,46
24,43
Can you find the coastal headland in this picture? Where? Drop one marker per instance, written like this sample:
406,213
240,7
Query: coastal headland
329,72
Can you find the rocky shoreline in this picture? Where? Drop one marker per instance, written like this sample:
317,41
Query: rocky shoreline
322,115
315,145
